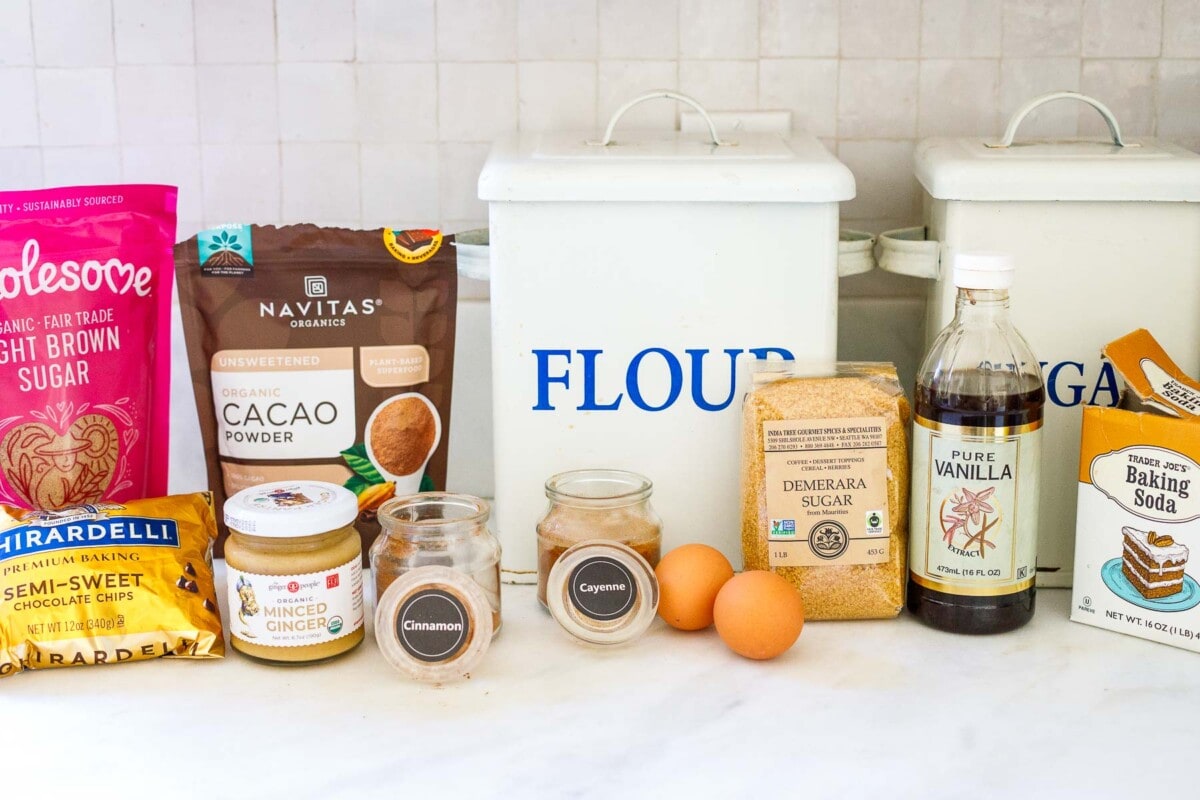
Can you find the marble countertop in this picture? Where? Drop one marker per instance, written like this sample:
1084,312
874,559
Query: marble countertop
856,709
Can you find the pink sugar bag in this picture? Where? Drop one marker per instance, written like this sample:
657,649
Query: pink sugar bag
85,351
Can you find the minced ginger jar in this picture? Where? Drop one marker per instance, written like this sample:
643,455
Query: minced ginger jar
294,572
438,529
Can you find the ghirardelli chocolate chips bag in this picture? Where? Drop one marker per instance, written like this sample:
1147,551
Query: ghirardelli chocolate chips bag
324,354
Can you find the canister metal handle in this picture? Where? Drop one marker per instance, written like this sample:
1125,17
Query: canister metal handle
1015,121
655,95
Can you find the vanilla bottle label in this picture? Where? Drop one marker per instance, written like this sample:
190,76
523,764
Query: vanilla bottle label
974,507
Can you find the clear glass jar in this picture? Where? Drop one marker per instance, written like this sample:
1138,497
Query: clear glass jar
589,504
294,572
438,529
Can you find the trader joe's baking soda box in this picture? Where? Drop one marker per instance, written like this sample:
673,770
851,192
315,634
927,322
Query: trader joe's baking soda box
1138,525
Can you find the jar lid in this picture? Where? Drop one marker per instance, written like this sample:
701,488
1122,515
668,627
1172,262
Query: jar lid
291,509
602,592
434,624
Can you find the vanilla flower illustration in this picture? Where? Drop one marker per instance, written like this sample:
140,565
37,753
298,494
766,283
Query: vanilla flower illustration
972,505
952,525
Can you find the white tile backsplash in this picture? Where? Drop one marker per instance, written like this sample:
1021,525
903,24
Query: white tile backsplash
399,185
395,30
1127,87
21,168
807,87
798,28
884,178
238,103
638,29
157,104
476,102
77,106
1181,29
431,82
1041,28
557,95
66,166
720,85
396,102
458,178
73,33
235,31
321,182
961,28
315,30
154,31
241,183
958,97
718,29
317,103
178,165
1024,78
16,34
476,30
19,122
1179,98
621,81
1122,28
877,98
880,28
563,29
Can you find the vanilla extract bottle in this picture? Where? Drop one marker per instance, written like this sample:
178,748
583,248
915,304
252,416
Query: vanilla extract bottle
976,462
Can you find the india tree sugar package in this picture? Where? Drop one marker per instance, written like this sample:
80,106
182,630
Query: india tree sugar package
85,312
825,486
322,354
106,583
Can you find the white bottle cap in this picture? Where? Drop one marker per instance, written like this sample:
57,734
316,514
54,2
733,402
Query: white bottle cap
983,270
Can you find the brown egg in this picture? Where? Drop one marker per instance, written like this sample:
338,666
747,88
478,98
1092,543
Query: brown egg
759,614
689,578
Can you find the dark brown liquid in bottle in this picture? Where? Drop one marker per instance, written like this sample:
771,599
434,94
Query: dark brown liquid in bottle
1017,403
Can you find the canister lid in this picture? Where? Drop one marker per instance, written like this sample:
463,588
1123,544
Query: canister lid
290,509
434,624
602,592
1050,170
663,166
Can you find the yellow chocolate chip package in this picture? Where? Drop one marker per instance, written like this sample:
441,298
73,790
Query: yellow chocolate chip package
106,583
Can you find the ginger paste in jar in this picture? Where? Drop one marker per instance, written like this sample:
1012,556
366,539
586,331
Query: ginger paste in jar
294,577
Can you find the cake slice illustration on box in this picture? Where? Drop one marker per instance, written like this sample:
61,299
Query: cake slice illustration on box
1153,564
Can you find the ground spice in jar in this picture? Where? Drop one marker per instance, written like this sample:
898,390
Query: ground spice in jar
825,486
589,504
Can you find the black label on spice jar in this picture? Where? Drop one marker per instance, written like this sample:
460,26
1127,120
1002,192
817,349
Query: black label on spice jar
433,626
602,588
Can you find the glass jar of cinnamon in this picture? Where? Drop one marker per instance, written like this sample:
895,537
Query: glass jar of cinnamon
438,529
591,504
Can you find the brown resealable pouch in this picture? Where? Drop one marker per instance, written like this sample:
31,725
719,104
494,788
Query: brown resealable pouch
323,354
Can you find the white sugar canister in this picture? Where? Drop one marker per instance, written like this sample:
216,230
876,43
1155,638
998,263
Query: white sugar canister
634,275
1105,235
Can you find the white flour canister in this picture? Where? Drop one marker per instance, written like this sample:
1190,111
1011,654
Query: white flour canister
1105,235
634,275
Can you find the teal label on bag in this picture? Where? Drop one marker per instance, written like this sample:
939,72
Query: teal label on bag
226,251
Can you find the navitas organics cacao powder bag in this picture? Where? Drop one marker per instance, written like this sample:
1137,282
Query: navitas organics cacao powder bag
322,354
85,351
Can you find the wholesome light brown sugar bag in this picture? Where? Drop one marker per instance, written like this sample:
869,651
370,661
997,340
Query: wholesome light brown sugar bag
323,354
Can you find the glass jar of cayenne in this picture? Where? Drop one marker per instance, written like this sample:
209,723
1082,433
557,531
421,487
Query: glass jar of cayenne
597,504
438,529
294,572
